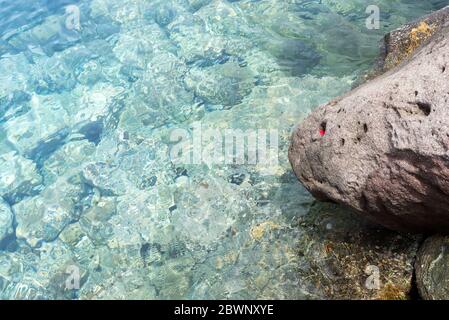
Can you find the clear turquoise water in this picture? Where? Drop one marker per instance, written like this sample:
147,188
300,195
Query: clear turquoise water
86,115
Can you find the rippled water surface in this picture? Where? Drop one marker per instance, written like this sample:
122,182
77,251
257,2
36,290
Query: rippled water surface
87,110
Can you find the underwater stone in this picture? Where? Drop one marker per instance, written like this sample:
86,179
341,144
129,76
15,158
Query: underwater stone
345,256
108,178
294,56
164,13
163,87
43,124
136,48
197,43
18,65
140,114
95,106
131,285
49,269
199,216
51,118
136,166
18,177
198,4
15,104
72,234
49,36
17,285
432,273
42,218
173,278
51,75
223,84
95,221
70,156
57,283
6,220
90,73
225,17
237,178
141,218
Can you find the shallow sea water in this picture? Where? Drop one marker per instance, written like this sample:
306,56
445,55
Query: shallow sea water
87,114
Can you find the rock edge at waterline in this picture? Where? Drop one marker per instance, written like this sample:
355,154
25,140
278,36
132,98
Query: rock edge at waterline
383,148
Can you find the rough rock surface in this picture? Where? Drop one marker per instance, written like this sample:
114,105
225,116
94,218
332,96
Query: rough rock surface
432,272
345,256
383,149
402,42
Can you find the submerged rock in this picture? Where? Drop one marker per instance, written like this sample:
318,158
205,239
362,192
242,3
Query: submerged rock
383,149
43,217
6,220
225,84
344,256
432,272
18,177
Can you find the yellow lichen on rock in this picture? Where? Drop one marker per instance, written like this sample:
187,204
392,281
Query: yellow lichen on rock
418,35
403,48
257,232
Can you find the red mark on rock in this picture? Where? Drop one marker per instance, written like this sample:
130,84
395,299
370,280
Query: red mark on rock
323,127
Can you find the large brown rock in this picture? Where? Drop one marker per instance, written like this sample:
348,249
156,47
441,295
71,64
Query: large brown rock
383,148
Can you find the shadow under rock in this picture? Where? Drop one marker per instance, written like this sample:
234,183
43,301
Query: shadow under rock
342,254
353,258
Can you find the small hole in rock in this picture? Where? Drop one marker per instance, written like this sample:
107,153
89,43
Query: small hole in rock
365,128
343,142
425,107
416,93
443,69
